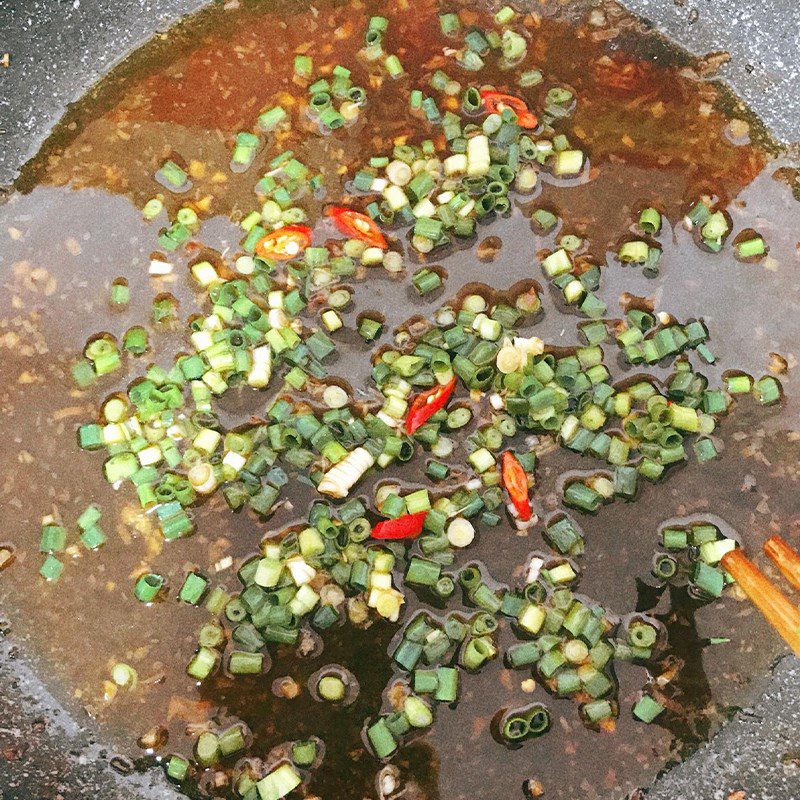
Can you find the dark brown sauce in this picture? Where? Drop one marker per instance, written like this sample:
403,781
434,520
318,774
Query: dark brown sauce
653,137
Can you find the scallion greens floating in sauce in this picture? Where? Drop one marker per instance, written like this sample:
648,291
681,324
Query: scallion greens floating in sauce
466,394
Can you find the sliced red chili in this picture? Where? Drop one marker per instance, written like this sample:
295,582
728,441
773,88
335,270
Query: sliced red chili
495,102
357,226
515,479
426,404
284,243
409,526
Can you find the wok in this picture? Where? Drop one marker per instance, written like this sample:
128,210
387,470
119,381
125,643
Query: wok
58,49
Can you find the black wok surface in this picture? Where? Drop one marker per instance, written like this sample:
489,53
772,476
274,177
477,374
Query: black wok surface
58,49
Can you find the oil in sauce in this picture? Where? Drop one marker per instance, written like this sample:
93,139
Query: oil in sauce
654,136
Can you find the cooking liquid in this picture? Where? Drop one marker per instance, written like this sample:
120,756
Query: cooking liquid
654,136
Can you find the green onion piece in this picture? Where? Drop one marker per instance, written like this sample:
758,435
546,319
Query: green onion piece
381,739
173,176
665,567
449,23
51,569
303,66
523,655
647,709
704,449
135,340
447,685
93,537
515,728
715,227
53,538
579,495
767,390
568,162
202,664
504,15
514,46
120,292
152,208
193,588
636,251
83,373
699,213
304,754
148,586
650,221
426,281
423,572
426,681
231,741
177,768
751,247
597,711
124,675
418,712
538,718
546,220
738,384
532,77
477,652
244,663
709,580
269,119
331,688
369,329
476,41
278,783
378,24
393,66
331,119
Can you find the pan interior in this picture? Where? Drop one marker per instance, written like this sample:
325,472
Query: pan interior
657,131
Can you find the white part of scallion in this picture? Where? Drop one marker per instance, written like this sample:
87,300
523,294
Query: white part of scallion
300,571
474,303
395,197
568,162
150,456
331,320
261,368
460,532
234,461
158,267
478,158
481,460
425,208
372,256
245,265
202,478
467,208
455,164
509,359
534,570
277,318
341,478
490,329
393,261
334,396
442,447
398,172
526,179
